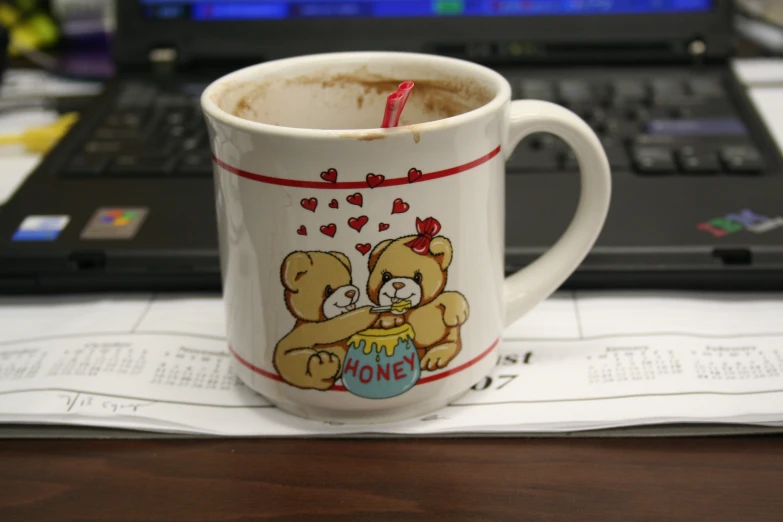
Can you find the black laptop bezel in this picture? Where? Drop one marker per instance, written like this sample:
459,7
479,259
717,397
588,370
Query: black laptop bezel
537,39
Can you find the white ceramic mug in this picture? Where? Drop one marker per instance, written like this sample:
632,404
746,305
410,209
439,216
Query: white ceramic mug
363,268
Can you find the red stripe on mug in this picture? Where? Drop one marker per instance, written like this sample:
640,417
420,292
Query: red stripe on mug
388,182
430,378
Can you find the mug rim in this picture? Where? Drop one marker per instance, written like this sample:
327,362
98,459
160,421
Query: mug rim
211,109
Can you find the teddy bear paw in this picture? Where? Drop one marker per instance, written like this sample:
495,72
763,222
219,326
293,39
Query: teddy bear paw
323,368
455,311
439,356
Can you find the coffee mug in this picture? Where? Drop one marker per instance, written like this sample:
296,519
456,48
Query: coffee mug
363,268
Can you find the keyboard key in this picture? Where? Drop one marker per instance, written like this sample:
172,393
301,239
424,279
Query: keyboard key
676,142
537,90
656,140
135,94
624,91
698,160
168,138
86,165
592,113
149,164
741,159
198,164
191,143
658,113
698,109
667,87
126,119
653,160
621,128
618,113
671,101
171,100
706,88
117,133
177,131
638,113
180,116
105,147
575,91
710,127
668,92
525,159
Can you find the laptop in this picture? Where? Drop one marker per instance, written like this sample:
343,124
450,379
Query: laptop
125,201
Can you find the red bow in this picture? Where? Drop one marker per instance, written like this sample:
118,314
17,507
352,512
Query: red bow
427,230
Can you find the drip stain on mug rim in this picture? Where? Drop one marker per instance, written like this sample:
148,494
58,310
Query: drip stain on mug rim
369,136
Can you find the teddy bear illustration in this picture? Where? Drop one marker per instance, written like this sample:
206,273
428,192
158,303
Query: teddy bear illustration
407,278
320,294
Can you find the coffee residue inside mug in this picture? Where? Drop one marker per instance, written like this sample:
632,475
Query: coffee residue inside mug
442,97
355,100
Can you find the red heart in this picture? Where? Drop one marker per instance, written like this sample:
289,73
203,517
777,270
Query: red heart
383,226
302,231
373,180
355,199
333,204
329,229
329,175
310,204
413,175
363,248
399,206
358,223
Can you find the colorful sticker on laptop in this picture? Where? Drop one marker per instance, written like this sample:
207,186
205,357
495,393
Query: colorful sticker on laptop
745,219
115,223
41,228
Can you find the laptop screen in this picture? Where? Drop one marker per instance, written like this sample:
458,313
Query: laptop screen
205,10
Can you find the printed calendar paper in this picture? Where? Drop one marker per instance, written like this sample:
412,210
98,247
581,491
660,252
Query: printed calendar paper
577,362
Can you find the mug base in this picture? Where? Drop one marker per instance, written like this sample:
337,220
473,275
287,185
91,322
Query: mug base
359,416
405,413
341,407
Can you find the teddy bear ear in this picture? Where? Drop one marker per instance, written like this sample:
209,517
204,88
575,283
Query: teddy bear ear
295,265
440,247
376,253
343,259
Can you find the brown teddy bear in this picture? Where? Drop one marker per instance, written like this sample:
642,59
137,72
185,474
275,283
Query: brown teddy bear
413,271
319,293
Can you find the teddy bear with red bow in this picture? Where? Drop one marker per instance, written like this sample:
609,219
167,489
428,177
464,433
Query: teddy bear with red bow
407,279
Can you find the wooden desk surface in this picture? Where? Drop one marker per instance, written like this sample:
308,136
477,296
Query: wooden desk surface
710,479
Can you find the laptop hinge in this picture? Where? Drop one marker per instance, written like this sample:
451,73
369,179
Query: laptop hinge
163,60
686,51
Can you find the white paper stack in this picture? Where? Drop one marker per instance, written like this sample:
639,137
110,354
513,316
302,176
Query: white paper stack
580,361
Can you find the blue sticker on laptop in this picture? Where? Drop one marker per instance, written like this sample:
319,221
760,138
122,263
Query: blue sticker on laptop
40,228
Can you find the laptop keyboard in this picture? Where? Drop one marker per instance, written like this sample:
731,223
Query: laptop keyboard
148,133
685,126
651,127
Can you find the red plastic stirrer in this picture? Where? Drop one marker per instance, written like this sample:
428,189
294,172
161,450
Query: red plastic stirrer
395,103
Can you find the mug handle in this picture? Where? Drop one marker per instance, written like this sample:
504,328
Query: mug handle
537,281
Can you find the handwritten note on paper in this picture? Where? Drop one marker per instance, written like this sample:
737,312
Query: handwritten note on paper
579,361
